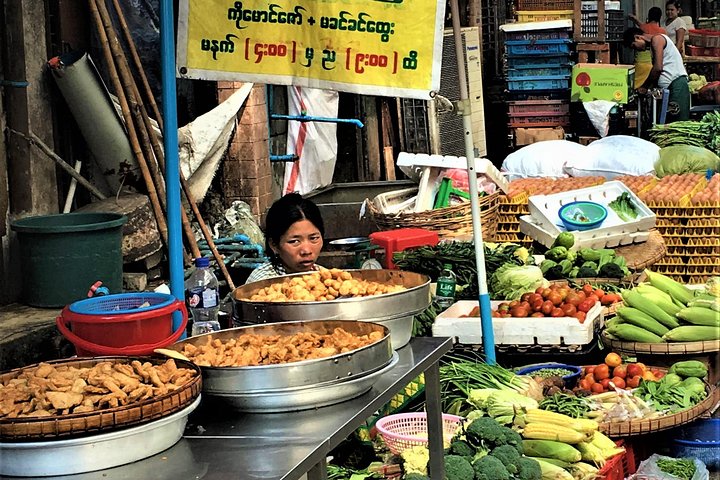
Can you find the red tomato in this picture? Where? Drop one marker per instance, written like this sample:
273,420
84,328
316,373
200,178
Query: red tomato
547,307
557,312
599,293
585,306
580,316
569,309
588,289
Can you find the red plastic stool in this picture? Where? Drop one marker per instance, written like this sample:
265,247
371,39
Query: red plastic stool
398,240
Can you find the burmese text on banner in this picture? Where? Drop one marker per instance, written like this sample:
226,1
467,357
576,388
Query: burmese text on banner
371,47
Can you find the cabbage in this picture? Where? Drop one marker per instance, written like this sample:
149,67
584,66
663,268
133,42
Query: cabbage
510,281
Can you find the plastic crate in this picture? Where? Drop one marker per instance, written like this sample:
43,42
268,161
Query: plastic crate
533,107
523,95
695,51
550,82
615,25
705,38
620,466
537,47
542,119
539,71
593,5
544,16
538,34
545,5
538,61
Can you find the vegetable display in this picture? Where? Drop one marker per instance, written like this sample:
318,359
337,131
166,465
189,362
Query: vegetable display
423,321
509,281
705,133
561,263
683,468
667,311
624,207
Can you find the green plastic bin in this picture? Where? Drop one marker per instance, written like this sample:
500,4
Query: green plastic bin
63,255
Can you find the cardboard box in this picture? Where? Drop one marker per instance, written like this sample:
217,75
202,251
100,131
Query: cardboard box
527,136
596,81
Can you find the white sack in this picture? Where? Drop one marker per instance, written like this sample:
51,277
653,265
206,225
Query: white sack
614,156
542,159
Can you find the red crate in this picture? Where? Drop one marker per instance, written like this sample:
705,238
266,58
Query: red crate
535,107
620,466
705,38
695,51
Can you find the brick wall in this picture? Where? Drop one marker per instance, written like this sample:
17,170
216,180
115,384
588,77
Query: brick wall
246,171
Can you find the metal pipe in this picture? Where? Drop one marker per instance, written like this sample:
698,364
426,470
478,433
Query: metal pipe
488,337
172,158
71,189
312,118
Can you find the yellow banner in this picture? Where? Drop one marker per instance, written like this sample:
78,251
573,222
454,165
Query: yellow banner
373,47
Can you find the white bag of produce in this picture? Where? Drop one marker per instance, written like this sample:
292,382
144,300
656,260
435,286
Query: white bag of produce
649,469
615,156
542,159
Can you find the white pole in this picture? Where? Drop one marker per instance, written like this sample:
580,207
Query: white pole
71,189
483,298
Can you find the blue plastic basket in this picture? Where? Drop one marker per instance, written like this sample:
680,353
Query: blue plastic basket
570,380
549,82
538,61
520,73
121,303
700,440
537,47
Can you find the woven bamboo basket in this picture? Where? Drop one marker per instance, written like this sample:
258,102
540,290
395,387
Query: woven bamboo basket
639,256
48,428
448,222
665,348
645,426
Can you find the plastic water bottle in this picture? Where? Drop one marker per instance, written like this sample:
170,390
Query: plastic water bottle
445,288
202,297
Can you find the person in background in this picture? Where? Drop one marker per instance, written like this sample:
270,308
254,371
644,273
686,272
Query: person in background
667,71
675,26
294,232
643,60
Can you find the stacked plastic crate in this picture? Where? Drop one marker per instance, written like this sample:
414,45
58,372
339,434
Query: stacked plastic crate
615,22
544,10
538,74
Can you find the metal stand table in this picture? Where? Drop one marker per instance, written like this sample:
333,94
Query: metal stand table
221,444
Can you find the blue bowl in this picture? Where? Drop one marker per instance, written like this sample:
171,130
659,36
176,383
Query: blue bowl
700,440
570,379
582,215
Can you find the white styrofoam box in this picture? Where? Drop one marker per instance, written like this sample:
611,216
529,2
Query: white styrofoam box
593,5
533,26
544,209
587,239
516,331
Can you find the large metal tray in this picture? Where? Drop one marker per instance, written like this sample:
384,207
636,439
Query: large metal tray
306,398
395,310
231,380
94,452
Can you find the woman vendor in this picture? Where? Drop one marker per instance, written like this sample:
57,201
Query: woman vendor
675,26
294,232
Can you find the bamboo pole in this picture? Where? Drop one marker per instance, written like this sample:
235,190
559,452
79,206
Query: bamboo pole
135,102
160,155
138,64
152,192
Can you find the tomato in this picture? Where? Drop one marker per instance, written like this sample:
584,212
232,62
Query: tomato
495,314
525,297
594,298
555,298
519,312
633,382
585,306
590,378
580,316
573,298
584,385
546,293
569,309
605,382
526,305
588,289
547,307
597,388
537,315
557,312
514,303
503,307
601,371
537,306
563,292
589,370
534,297
599,293
618,382
539,290
582,295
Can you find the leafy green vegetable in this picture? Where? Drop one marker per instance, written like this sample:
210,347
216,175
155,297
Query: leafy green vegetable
624,207
683,468
509,282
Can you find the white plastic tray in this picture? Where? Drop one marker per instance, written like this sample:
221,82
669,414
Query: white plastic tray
516,331
587,239
544,211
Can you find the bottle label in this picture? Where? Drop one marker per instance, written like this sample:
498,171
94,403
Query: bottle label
445,288
200,297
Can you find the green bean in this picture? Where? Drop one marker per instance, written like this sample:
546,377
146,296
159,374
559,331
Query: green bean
683,468
551,372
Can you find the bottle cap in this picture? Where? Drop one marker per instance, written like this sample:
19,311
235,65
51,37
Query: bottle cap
201,262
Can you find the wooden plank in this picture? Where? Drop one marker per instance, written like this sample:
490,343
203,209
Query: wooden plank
387,134
372,137
577,30
360,160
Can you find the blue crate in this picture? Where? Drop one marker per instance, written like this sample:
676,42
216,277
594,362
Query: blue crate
537,47
699,440
523,95
538,61
549,82
539,71
538,34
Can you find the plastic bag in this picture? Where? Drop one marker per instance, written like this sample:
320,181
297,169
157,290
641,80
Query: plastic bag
680,159
598,111
649,469
614,156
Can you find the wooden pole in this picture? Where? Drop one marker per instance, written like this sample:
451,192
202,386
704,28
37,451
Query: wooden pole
138,64
135,102
152,192
34,140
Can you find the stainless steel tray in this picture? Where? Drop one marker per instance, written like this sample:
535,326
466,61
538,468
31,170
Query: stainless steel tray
93,452
315,396
395,310
231,380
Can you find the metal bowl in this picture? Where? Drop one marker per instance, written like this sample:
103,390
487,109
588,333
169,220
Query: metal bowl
284,376
395,310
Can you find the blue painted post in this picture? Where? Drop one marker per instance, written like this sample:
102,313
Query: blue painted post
172,160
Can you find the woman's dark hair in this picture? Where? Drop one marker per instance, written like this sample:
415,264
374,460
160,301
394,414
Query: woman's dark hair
655,14
629,35
286,211
675,3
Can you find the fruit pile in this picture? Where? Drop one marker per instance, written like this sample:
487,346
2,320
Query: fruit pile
556,301
614,373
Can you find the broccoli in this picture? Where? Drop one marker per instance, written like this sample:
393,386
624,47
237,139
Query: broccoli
462,448
513,438
508,455
586,272
611,270
458,468
490,468
554,273
485,430
528,469
415,476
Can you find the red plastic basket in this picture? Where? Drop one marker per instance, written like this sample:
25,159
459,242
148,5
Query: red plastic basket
621,466
406,430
